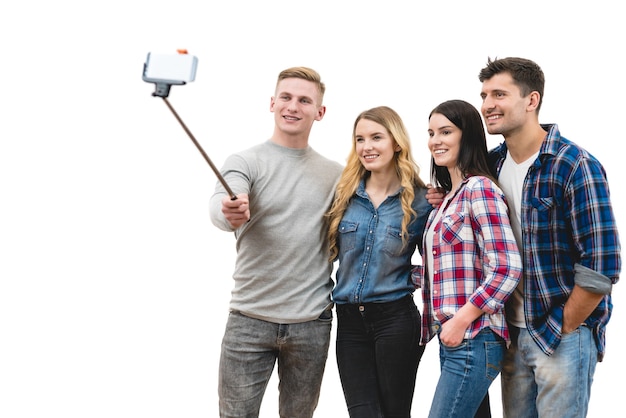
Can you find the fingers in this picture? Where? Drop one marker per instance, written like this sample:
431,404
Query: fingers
228,202
431,189
434,195
236,212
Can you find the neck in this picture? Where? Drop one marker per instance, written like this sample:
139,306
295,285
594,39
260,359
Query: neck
522,145
383,183
456,177
290,141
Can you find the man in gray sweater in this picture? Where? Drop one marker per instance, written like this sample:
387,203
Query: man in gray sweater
280,307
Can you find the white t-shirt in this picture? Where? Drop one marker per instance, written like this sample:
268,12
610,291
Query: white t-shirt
511,180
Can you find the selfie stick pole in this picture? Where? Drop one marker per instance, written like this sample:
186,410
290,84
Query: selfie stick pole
162,89
204,154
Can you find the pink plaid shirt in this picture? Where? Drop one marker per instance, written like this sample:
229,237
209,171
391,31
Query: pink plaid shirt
475,258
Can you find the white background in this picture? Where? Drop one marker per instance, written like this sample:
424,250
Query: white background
114,284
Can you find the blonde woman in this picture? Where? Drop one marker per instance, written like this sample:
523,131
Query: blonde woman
376,222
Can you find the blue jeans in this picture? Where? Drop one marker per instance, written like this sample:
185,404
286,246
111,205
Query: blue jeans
250,348
537,385
467,371
378,353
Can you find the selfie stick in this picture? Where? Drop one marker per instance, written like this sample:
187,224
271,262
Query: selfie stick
162,89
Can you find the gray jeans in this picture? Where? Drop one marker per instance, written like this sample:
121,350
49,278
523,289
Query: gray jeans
250,348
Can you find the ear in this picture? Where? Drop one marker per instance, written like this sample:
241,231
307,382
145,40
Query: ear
533,101
272,102
321,111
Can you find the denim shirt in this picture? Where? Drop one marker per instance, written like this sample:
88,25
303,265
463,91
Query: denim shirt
373,265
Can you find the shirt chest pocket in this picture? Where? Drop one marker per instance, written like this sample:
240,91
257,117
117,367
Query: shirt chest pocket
453,229
543,208
393,241
347,235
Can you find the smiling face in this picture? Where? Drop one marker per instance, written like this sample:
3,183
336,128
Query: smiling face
504,109
444,141
375,146
296,106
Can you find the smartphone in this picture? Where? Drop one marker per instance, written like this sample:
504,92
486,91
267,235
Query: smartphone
177,68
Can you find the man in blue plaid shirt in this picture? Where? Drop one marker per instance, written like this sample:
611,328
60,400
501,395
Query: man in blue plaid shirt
564,224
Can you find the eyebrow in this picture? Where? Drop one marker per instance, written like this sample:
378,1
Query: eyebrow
444,127
494,91
371,134
281,93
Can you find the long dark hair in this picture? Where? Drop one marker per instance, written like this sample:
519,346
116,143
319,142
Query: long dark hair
472,158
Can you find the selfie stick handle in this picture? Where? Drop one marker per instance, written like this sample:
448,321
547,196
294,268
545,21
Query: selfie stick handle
204,154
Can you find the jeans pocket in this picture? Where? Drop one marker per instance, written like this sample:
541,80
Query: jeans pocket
494,353
326,316
462,345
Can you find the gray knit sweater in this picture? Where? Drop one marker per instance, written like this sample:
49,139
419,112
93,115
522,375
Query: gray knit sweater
282,273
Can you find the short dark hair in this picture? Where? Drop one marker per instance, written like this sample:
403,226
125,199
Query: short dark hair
526,74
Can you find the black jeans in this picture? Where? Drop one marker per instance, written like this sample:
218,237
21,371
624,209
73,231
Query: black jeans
378,353
484,410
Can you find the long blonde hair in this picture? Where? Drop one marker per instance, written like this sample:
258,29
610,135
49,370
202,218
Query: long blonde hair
406,169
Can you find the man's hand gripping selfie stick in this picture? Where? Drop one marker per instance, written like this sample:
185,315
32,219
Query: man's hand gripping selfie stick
177,69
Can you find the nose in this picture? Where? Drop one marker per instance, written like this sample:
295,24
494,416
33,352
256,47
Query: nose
487,105
433,140
292,106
